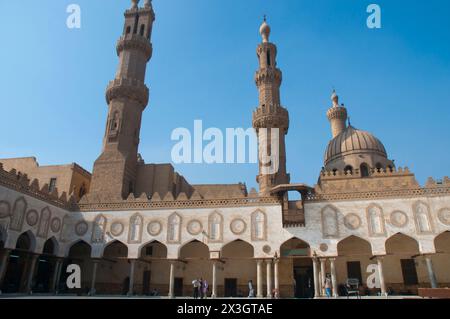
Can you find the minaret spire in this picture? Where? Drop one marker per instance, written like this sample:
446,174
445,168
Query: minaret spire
270,119
337,115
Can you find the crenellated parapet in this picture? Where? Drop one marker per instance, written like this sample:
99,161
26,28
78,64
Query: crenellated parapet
271,116
135,42
270,76
128,88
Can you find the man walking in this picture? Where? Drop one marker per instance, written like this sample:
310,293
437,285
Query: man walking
196,285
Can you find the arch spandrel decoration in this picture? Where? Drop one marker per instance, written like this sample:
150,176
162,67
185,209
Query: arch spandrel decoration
98,229
259,226
18,214
215,228
422,219
375,221
174,229
330,225
135,229
44,222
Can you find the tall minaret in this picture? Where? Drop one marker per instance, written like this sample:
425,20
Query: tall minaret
114,174
337,115
270,115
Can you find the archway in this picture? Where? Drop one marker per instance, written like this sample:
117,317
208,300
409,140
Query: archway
113,269
441,260
79,254
354,256
46,267
195,265
16,276
156,269
236,269
403,273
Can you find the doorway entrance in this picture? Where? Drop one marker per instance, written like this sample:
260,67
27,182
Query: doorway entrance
146,282
230,287
178,287
304,282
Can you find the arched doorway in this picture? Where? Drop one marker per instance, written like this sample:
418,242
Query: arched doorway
16,276
296,269
46,267
79,254
113,269
403,273
236,271
441,260
354,256
196,265
155,276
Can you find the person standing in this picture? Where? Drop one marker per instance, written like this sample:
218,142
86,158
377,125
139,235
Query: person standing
204,289
327,285
196,285
251,290
201,288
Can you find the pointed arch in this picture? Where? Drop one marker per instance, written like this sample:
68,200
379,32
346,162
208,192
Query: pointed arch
422,218
153,248
26,241
18,214
174,228
194,249
401,243
295,246
135,229
215,227
354,245
375,220
237,248
51,246
98,229
114,249
442,242
259,225
44,222
79,248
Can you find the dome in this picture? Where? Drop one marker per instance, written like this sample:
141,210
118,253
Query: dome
353,141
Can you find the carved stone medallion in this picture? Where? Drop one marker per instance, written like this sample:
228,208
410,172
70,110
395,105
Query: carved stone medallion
55,225
116,229
267,249
444,216
32,217
399,219
194,227
323,247
81,228
352,221
5,210
238,226
154,228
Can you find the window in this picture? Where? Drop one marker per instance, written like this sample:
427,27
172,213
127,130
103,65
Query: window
128,30
142,30
364,170
268,57
409,272
82,191
52,185
354,270
149,251
378,167
348,170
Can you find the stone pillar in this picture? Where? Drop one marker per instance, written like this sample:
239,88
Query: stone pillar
431,273
322,276
4,259
277,280
316,278
172,279
269,277
380,273
31,270
214,280
333,277
259,279
131,286
56,275
94,276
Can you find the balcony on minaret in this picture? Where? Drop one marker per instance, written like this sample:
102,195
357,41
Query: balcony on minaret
268,116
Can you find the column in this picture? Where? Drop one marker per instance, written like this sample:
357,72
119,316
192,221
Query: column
333,277
214,280
269,277
322,276
94,277
259,282
316,278
380,273
131,286
31,270
56,272
276,274
431,273
172,279
4,259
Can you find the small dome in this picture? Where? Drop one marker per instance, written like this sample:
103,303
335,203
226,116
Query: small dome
353,141
264,30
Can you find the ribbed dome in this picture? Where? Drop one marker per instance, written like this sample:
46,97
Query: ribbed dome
353,141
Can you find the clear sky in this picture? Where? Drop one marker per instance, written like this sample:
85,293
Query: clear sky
395,81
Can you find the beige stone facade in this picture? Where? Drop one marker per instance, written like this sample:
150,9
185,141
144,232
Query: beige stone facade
143,227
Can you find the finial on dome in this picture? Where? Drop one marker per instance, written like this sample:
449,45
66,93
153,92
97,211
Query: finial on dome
264,30
335,98
134,4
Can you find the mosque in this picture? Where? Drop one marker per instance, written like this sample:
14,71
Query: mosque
135,228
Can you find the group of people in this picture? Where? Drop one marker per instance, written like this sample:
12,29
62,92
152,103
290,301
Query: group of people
200,288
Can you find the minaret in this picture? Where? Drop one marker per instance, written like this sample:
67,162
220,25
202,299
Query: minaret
337,115
270,117
114,173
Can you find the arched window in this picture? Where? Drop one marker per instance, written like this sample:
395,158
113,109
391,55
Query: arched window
348,170
141,32
268,57
334,171
379,167
128,30
364,170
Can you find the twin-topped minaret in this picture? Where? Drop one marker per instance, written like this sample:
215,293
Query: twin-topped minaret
270,117
114,174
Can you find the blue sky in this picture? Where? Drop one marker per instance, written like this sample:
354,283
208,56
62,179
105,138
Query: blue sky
394,81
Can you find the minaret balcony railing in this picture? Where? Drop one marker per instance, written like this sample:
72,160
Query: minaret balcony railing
135,42
128,88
